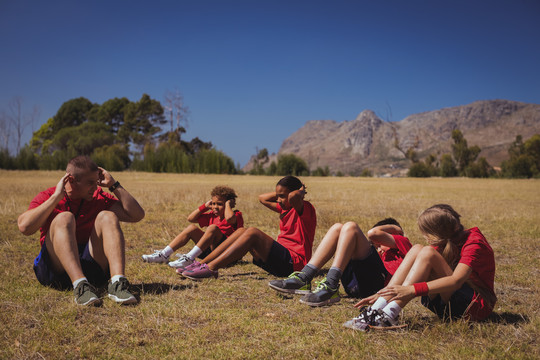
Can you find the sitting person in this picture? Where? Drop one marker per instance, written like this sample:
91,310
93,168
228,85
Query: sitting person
220,220
454,275
364,265
293,247
82,243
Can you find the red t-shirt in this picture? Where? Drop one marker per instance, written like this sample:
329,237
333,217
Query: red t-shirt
393,257
226,229
478,255
85,212
297,233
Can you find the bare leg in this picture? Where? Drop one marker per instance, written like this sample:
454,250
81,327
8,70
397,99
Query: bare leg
428,264
210,237
62,247
191,232
327,247
223,246
107,244
252,240
352,244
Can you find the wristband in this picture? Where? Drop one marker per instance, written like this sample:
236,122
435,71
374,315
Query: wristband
421,289
115,186
202,207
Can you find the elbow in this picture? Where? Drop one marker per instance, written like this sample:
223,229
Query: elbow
140,215
24,228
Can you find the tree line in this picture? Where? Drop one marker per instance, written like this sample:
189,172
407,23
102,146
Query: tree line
119,134
523,162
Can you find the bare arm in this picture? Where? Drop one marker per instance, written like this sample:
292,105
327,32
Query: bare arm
31,220
269,200
230,216
296,199
127,209
194,216
382,235
447,284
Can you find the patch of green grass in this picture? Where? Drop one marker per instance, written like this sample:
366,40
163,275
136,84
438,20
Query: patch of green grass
237,315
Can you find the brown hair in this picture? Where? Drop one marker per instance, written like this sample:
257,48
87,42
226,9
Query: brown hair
79,165
224,191
441,226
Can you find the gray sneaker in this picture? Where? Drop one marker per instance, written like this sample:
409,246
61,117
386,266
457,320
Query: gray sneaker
322,295
85,294
119,292
291,285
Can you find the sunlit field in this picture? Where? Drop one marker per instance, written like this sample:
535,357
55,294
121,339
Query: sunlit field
237,315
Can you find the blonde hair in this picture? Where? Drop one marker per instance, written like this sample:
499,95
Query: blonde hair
441,226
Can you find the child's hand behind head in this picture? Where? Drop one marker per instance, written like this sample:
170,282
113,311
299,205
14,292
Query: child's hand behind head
232,203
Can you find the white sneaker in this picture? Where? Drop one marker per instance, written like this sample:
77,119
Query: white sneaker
156,257
182,261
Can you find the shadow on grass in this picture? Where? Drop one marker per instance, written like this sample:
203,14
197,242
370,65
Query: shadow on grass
158,288
507,318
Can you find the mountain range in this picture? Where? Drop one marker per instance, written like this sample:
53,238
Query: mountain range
368,142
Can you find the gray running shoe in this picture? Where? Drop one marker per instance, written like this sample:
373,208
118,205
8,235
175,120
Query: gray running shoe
291,285
322,295
156,257
119,292
85,294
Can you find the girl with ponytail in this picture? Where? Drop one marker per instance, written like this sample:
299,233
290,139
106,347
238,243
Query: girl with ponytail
453,274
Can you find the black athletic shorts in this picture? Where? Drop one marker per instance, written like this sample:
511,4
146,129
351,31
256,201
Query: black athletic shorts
279,262
456,306
362,278
91,269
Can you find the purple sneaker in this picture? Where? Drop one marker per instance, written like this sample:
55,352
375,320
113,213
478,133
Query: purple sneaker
193,265
201,272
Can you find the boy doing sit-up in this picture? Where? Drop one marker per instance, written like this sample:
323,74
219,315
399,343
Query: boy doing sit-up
364,265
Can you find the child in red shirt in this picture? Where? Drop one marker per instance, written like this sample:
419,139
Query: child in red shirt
454,274
220,220
293,247
364,264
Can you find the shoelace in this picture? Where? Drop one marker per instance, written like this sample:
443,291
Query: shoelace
85,286
368,316
322,285
294,275
121,284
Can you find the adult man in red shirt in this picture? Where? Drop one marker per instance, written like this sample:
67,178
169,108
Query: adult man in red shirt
81,239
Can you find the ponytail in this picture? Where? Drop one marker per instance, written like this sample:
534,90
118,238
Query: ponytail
441,226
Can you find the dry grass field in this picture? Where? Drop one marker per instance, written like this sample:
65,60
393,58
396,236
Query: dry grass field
237,315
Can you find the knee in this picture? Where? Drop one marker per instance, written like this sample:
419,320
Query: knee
336,228
427,253
350,226
63,220
107,218
213,229
191,228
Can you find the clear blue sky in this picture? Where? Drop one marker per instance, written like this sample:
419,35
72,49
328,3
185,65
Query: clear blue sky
253,72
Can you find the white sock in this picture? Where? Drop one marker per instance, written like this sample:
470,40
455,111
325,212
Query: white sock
76,282
392,310
115,278
167,251
196,251
379,304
